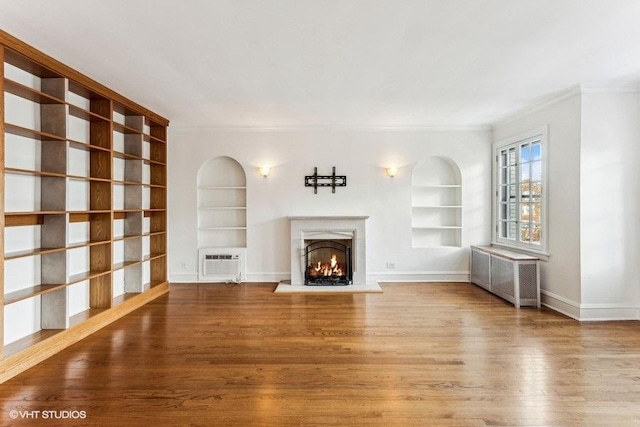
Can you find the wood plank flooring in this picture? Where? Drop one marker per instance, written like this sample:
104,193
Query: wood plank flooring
415,355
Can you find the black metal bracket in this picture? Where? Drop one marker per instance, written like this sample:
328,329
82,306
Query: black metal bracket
316,180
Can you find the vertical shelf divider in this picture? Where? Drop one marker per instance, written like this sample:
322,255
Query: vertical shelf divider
2,207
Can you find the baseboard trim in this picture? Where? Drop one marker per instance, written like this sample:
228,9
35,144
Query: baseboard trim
560,304
419,276
276,277
251,278
608,312
183,278
589,312
396,276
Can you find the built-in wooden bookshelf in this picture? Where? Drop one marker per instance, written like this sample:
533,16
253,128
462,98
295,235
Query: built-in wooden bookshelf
84,210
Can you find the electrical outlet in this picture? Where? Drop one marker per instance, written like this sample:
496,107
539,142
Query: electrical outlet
391,265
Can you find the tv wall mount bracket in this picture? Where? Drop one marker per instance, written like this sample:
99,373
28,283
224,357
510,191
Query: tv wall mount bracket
332,180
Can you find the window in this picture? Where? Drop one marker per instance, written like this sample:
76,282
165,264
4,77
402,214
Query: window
520,190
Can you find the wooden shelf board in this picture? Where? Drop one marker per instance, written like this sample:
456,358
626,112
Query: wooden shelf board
89,211
31,292
120,238
83,114
127,156
79,145
119,182
31,252
85,216
122,128
83,316
127,237
88,244
18,171
28,341
30,94
156,139
7,214
157,162
43,251
31,133
87,275
155,283
84,92
125,264
124,297
18,219
127,211
88,178
22,220
20,61
154,256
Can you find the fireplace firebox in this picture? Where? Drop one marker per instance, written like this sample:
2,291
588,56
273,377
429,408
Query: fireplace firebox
328,263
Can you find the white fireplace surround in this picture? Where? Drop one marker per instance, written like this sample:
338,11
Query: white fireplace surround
328,227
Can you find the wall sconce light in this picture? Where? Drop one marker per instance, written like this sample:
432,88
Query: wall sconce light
392,171
264,171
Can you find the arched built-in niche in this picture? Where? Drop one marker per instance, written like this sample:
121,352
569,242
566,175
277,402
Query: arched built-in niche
222,204
436,203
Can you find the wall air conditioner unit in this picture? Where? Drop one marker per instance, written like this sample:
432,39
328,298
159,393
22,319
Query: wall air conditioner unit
222,265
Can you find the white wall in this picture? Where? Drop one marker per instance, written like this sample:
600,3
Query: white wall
593,268
361,155
560,274
610,205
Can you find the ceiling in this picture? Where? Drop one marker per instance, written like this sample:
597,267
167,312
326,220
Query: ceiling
355,63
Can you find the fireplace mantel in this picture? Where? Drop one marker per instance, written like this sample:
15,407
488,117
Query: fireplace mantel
352,227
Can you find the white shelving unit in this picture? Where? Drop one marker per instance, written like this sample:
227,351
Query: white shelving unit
222,204
436,204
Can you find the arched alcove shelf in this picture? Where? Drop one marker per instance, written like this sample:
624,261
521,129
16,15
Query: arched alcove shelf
222,204
436,203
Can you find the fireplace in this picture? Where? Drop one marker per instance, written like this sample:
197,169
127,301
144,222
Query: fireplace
314,243
328,262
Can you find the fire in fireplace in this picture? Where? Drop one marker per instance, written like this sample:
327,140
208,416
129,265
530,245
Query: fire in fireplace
328,263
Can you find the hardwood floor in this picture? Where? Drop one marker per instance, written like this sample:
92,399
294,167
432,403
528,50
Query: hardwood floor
415,355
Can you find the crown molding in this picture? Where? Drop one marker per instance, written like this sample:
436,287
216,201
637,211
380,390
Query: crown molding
608,87
538,105
329,128
578,89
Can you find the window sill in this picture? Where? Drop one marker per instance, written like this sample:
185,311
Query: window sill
544,256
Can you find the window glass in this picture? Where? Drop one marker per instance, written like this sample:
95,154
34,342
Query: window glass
519,190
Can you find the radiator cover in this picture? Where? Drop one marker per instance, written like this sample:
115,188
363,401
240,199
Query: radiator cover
507,274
